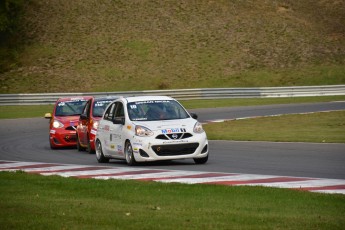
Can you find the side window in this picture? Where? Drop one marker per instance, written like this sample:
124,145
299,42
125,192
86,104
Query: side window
119,110
108,115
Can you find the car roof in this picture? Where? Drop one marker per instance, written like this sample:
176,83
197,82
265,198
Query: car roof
74,98
147,98
110,98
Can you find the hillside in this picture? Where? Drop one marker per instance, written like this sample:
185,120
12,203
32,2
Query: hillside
119,45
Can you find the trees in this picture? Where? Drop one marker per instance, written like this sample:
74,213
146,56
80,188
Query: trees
10,11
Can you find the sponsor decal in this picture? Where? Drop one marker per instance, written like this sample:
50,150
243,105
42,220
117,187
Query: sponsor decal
174,142
115,136
106,128
77,99
102,103
137,144
112,146
52,131
140,119
94,132
173,130
151,102
119,148
129,127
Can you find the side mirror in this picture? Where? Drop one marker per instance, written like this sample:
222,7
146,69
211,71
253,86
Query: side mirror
194,116
119,120
48,116
83,117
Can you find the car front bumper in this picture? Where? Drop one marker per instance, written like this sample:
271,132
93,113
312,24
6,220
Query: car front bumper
62,138
145,149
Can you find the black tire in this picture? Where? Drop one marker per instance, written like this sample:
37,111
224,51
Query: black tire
79,147
200,161
99,153
52,146
88,149
129,154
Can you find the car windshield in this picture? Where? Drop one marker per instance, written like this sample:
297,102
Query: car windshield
70,108
156,110
99,107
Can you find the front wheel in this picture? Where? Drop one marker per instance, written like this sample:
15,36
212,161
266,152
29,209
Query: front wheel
89,149
129,154
201,160
99,153
79,147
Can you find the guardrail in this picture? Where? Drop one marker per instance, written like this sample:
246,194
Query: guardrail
184,94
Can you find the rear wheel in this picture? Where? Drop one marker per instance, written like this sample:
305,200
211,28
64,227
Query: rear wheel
129,154
201,160
99,153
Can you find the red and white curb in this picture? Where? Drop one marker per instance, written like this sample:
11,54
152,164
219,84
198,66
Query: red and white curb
168,176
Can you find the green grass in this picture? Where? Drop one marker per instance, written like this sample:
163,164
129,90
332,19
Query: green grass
24,111
36,202
27,111
317,127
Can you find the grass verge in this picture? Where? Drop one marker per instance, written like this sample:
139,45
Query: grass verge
35,202
27,111
24,111
317,127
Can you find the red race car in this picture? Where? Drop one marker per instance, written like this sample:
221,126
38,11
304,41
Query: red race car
64,121
88,122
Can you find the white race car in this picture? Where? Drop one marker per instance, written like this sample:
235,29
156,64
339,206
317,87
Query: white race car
150,128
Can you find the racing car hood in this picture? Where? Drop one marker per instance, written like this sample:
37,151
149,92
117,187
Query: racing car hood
68,119
187,123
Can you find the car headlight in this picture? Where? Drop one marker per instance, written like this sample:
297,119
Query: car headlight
142,131
95,125
198,128
57,124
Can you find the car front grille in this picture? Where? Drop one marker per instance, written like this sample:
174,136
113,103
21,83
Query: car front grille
72,128
175,150
173,136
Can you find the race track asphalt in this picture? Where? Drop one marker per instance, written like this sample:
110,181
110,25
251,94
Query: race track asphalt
27,140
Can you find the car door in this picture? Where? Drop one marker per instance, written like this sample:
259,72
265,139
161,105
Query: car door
84,122
105,128
117,131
